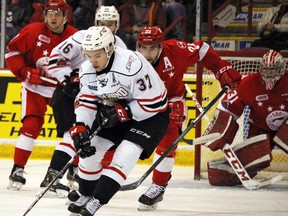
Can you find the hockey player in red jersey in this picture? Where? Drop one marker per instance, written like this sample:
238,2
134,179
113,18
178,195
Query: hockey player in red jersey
171,59
266,95
27,57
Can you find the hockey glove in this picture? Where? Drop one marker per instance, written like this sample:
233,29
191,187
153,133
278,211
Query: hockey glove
32,75
177,114
109,117
71,84
227,75
80,136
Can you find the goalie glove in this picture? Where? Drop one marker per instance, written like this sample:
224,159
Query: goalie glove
32,75
80,136
71,84
109,116
227,75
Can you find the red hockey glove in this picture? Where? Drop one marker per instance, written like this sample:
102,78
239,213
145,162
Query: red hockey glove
80,136
111,116
177,114
227,75
71,84
32,75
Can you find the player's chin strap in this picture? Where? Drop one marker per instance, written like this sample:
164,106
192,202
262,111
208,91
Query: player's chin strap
242,174
134,185
61,173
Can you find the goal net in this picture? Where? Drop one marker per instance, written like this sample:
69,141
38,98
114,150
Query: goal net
245,62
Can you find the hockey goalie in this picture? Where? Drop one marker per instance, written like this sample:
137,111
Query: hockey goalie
266,95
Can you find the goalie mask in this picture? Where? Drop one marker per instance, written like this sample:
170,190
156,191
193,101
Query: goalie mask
272,68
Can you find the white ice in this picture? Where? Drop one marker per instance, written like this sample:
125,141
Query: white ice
183,197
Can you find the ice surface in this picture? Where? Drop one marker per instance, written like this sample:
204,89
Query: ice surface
183,197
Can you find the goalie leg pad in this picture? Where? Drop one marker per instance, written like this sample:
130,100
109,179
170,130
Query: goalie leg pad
221,174
254,154
224,124
281,138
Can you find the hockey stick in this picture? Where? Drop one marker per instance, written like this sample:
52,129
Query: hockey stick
198,105
61,173
242,174
134,185
49,80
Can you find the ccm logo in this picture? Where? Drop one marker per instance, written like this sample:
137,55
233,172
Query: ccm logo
222,70
140,133
236,164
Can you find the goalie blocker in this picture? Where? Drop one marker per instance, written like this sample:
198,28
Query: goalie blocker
224,124
254,154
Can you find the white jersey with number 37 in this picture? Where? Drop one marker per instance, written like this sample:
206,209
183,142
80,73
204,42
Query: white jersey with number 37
128,76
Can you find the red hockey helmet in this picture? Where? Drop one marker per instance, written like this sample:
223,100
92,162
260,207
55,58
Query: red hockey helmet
150,35
272,68
56,5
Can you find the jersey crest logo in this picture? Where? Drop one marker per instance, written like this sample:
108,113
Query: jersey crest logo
181,44
262,97
44,38
275,119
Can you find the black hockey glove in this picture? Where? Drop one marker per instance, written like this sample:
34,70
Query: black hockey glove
71,84
79,134
109,116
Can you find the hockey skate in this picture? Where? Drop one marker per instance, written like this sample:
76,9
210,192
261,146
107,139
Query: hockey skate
73,196
92,206
78,204
57,189
72,177
150,199
16,178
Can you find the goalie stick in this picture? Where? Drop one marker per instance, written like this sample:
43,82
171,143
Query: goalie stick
242,174
134,185
61,173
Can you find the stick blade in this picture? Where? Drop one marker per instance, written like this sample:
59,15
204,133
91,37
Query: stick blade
128,187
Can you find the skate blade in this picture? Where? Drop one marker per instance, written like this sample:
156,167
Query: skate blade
14,185
60,194
143,207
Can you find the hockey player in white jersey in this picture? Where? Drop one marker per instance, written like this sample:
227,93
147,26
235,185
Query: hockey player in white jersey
64,64
122,95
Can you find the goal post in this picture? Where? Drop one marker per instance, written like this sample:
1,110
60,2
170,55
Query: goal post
246,62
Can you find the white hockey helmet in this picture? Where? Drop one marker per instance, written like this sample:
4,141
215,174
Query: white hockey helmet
272,68
99,37
107,13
